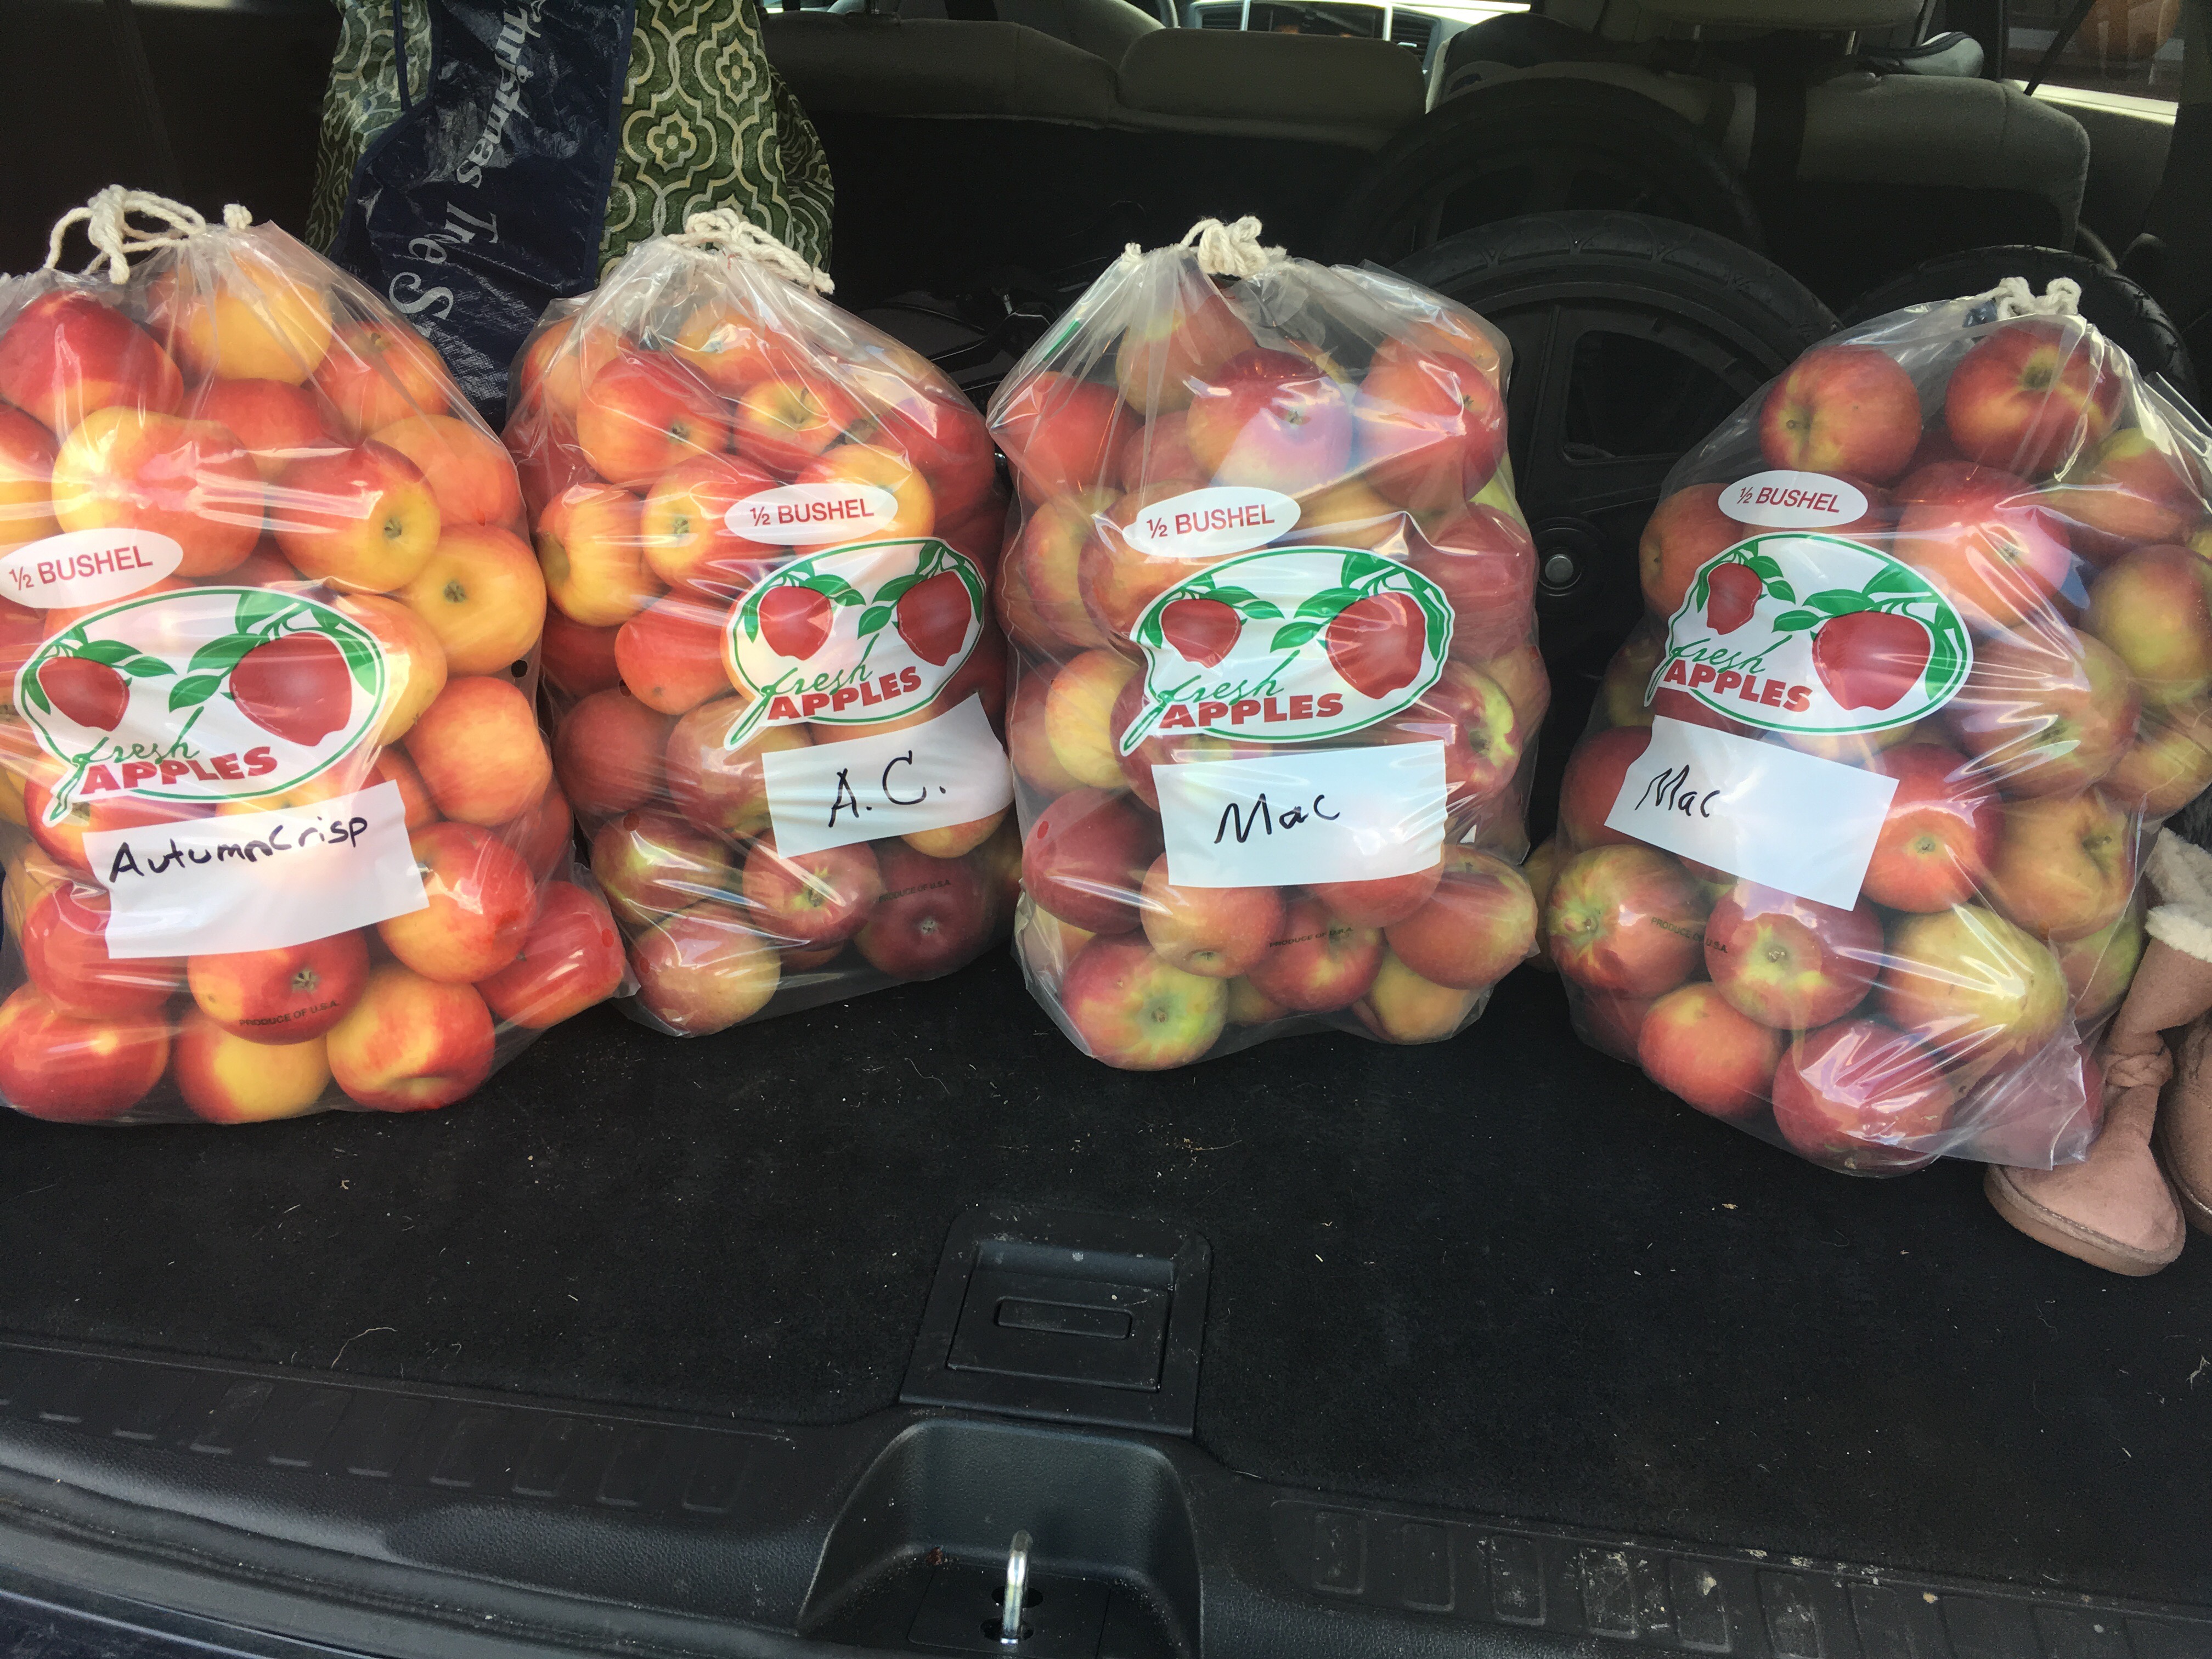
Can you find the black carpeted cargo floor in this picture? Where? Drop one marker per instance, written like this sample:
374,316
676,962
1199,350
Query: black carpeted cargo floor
1502,1274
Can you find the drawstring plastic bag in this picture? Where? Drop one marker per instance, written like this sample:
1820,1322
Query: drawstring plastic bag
1276,685
281,833
1847,856
767,533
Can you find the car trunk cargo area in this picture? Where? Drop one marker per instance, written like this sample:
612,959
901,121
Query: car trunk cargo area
1505,1276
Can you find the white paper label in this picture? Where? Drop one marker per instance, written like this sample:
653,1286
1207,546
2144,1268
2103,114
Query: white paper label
1785,500
947,771
1303,816
87,567
1211,522
257,881
1768,813
808,514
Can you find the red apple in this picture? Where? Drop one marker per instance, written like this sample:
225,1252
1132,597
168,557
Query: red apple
1694,1043
702,970
1485,562
1378,901
1611,1024
1217,932
2031,393
1594,774
642,414
1849,409
1685,530
577,660
1982,537
1479,925
1316,964
789,419
2064,864
1628,920
2134,490
1061,434
1788,962
1136,1009
77,1070
1159,452
1085,858
607,753
2154,607
934,915
1174,344
715,785
1939,835
1273,421
68,354
571,959
1858,1096
64,943
276,423
1431,429
2045,713
653,863
482,900
811,898
284,995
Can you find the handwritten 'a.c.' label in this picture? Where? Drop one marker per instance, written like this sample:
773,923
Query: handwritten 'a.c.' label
946,771
87,567
1787,499
1762,810
257,881
809,514
1297,816
1209,523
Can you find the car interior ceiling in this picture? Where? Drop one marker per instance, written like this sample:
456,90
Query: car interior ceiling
1505,1276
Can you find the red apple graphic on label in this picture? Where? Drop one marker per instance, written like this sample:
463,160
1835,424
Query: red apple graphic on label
90,693
295,687
1870,659
1204,631
794,621
1375,643
933,617
1732,594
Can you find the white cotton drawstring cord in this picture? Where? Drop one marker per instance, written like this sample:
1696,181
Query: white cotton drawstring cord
1223,250
107,227
2013,297
741,238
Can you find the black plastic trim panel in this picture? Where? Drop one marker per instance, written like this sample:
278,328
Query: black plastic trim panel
383,1518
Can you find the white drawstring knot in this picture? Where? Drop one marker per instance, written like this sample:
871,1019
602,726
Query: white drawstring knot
107,227
1231,250
741,238
2013,297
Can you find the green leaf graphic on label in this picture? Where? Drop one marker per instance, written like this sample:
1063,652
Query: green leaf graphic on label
260,607
1327,603
193,690
221,656
113,653
835,589
146,668
1291,635
360,657
872,619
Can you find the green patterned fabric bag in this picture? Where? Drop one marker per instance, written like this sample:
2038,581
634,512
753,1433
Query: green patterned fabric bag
480,158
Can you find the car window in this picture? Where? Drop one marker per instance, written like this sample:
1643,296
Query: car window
2130,48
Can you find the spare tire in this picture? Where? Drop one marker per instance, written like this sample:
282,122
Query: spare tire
1632,338
2126,316
1538,145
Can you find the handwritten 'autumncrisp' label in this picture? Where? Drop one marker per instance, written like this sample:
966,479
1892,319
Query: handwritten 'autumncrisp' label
1814,635
1303,815
257,881
1762,810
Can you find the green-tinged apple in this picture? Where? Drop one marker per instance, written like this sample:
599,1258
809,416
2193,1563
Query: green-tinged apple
1695,1043
1078,716
644,413
2170,762
1135,1009
2154,608
653,863
228,1079
716,787
1983,539
1272,420
2100,966
2064,864
811,898
1788,962
1627,920
2045,713
1478,925
2033,393
1170,350
1972,986
2134,490
1402,1006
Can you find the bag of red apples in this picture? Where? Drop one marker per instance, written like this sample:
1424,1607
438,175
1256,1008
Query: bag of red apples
1848,856
767,533
1276,687
282,834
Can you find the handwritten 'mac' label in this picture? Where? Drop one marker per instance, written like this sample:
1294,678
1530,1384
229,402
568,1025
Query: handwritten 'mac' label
1303,816
946,771
1762,810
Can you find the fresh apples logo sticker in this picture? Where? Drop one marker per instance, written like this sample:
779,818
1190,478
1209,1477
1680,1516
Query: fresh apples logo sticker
849,638
1289,644
1814,634
213,694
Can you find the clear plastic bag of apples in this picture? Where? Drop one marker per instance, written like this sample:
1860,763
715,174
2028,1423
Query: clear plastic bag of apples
767,531
1276,685
1847,856
280,827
